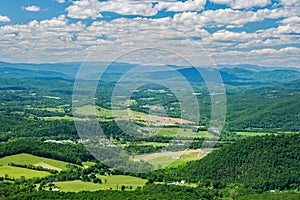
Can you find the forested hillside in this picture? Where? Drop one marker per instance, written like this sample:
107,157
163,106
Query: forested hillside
265,163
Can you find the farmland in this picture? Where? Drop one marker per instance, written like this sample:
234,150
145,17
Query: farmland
170,159
77,186
114,182
17,172
27,159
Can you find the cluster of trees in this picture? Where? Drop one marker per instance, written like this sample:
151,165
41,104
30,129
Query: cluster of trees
39,168
142,149
14,126
73,153
148,192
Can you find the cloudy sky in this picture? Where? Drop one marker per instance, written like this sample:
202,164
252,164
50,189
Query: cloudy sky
263,32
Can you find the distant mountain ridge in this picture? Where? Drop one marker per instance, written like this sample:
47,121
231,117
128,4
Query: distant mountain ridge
231,74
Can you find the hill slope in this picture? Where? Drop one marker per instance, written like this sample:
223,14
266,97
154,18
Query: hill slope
270,162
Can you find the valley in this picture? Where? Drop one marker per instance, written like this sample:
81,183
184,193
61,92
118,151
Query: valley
40,146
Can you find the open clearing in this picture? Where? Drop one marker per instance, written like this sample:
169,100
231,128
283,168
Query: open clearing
77,186
107,115
171,159
253,133
179,132
114,182
155,120
28,159
88,164
57,109
17,172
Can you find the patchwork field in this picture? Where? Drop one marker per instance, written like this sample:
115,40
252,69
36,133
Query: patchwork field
27,159
171,159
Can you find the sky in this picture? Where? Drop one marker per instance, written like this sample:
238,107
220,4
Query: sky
259,32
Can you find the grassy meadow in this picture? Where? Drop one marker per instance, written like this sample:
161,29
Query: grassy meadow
27,159
17,172
115,182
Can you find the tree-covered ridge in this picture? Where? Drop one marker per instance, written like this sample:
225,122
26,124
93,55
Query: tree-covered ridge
265,163
281,115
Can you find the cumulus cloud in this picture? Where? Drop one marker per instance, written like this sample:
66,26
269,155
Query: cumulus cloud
61,1
4,18
240,4
83,9
291,20
290,2
32,8
189,5
60,39
218,18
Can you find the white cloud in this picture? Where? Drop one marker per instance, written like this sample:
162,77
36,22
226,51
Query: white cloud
4,19
58,39
218,18
239,4
189,5
83,9
32,8
284,57
290,2
61,1
291,20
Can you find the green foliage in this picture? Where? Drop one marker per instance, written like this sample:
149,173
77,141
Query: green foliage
148,192
264,163
65,152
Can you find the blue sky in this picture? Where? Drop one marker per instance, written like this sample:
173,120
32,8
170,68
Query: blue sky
262,32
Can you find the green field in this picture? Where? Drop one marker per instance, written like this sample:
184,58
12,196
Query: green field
17,172
77,186
57,109
253,133
27,159
102,113
66,117
114,182
184,159
179,132
170,159
88,164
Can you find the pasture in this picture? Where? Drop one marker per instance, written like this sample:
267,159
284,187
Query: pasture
170,159
179,132
77,186
28,159
114,182
17,172
254,133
